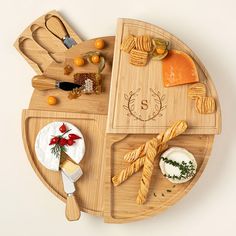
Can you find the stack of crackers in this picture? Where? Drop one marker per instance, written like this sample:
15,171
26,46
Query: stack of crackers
138,48
203,104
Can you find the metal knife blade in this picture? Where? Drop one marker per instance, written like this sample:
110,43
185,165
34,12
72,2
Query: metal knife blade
69,42
69,186
55,25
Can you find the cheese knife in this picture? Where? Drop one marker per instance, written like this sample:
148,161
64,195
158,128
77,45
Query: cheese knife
55,26
42,82
72,207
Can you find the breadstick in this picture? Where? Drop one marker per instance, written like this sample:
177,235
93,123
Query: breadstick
128,171
153,151
136,153
176,129
154,147
147,170
179,128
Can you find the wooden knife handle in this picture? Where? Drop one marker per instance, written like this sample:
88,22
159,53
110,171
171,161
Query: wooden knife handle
56,27
72,208
42,82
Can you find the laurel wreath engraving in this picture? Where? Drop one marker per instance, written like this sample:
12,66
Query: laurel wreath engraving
159,106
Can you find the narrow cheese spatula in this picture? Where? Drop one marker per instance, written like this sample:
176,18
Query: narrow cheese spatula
72,207
42,82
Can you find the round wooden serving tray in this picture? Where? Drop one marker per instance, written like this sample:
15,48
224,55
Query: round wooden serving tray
104,152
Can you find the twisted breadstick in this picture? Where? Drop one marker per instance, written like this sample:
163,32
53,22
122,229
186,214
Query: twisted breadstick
152,153
136,153
128,171
175,130
154,147
179,127
147,170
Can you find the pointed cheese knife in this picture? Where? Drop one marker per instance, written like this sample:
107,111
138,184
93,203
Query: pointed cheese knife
42,82
72,207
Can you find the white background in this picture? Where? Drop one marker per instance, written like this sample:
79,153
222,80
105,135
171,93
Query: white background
209,28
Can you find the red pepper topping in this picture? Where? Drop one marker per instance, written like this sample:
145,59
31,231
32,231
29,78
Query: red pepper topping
73,136
63,142
54,140
63,128
70,142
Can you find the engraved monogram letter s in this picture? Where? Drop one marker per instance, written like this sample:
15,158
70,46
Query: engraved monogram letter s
150,113
144,104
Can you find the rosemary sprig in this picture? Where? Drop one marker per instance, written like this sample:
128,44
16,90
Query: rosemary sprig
57,149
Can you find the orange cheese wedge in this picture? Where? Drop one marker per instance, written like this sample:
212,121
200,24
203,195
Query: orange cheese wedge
178,68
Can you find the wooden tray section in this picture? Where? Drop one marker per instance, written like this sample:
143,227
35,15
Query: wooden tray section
120,202
40,47
89,188
92,104
144,84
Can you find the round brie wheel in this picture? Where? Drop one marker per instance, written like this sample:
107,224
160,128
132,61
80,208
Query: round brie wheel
43,149
174,158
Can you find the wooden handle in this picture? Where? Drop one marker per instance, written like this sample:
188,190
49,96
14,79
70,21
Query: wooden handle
56,27
42,82
72,208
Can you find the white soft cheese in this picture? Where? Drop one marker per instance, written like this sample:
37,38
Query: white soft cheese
43,149
176,154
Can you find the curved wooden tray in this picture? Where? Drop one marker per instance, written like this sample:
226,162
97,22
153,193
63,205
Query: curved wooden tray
120,202
103,159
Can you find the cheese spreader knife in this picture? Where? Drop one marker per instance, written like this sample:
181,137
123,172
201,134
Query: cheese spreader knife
42,82
72,207
58,29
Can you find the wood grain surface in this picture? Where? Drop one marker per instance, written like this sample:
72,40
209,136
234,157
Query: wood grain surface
39,47
120,202
139,103
89,188
92,104
104,152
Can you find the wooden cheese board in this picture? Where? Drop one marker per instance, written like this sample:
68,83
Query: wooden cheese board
106,139
145,85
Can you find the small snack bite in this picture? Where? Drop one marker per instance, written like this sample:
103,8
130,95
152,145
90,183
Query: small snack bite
205,105
52,100
178,165
128,44
138,58
99,44
197,90
79,61
143,43
68,69
95,59
161,49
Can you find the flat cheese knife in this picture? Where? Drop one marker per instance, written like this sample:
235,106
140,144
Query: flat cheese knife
58,29
72,207
42,82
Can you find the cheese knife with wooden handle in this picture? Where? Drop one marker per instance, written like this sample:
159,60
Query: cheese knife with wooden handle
72,207
42,82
